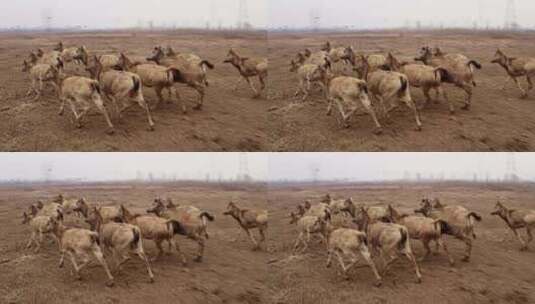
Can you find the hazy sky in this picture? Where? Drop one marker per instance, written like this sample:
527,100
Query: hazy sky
110,166
124,13
379,166
262,166
395,13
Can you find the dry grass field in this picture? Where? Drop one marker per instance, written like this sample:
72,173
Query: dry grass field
229,121
232,273
498,120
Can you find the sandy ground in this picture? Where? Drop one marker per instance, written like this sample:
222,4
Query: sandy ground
229,121
498,121
233,273
230,272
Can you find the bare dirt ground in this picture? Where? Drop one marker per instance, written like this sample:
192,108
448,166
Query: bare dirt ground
233,273
498,121
229,121
230,272
497,273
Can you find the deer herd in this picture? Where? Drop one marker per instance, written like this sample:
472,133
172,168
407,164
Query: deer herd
377,83
82,230
385,80
347,230
382,234
120,79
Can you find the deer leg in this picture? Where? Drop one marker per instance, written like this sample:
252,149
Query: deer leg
410,256
506,82
522,242
524,93
74,264
160,249
343,123
329,258
200,89
31,89
124,257
252,239
299,88
530,235
262,81
330,102
39,242
115,104
237,84
469,92
298,242
530,84
200,254
440,90
100,106
61,258
368,107
388,264
341,261
62,106
256,93
441,242
141,254
143,104
158,91
77,117
306,90
31,240
354,260
367,257
180,253
410,104
427,96
55,88
468,241
425,242
262,235
100,258
39,91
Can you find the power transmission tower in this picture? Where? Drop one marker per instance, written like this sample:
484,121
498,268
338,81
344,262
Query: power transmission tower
243,170
243,16
213,16
315,19
511,174
510,15
46,15
314,172
46,170
480,21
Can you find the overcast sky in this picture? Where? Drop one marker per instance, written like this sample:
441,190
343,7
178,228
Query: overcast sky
261,166
395,13
113,166
385,166
126,13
